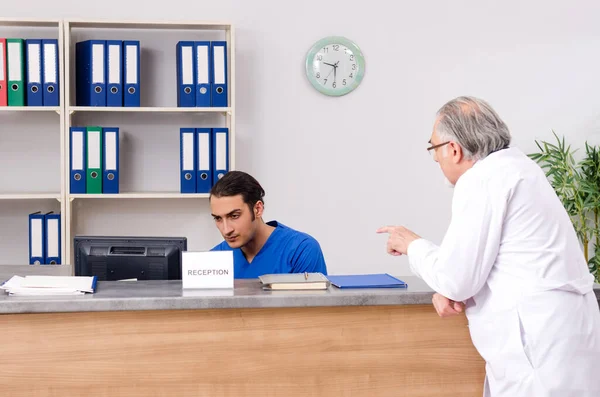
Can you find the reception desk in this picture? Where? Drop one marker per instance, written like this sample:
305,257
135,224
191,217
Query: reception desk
150,338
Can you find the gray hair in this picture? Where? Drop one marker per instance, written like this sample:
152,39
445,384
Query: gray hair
474,125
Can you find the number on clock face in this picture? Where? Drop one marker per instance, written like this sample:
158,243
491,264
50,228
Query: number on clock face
335,66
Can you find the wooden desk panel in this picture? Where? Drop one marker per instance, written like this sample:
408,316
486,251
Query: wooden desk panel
315,351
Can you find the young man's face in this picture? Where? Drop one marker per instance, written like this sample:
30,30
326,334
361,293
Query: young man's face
234,219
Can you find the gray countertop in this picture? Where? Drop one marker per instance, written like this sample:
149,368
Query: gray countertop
168,295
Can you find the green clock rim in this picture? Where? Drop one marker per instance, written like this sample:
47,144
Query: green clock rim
328,41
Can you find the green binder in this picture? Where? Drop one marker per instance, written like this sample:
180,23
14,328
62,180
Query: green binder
94,160
15,65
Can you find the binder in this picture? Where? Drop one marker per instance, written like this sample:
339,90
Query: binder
94,160
383,280
131,66
203,171
186,93
33,60
37,237
50,81
3,77
90,74
52,239
220,143
219,95
203,73
77,161
16,72
114,73
187,160
110,163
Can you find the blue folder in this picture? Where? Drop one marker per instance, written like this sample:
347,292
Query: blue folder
382,280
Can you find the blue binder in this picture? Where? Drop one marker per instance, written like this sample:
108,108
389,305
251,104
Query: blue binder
52,241
131,68
220,143
204,175
203,65
77,160
382,280
90,74
110,162
50,81
186,74
219,95
34,70
114,73
37,236
188,155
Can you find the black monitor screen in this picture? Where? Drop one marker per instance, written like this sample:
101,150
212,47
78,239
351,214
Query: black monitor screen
120,258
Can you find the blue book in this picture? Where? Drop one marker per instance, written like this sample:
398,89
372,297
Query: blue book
383,280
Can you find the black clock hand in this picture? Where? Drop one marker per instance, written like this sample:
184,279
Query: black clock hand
329,64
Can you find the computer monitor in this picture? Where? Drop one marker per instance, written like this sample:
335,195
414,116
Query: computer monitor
119,258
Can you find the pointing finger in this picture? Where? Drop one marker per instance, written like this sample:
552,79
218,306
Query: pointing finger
385,229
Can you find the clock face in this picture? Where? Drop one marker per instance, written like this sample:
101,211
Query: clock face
335,66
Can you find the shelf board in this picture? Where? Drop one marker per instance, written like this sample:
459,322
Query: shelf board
30,109
148,195
29,196
147,109
50,23
154,25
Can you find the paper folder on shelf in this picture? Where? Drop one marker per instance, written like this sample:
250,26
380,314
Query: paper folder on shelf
33,60
16,71
114,73
186,92
220,141
382,280
131,73
52,239
37,236
50,80
187,160
110,163
50,285
3,77
204,177
77,160
93,181
202,62
219,94
90,74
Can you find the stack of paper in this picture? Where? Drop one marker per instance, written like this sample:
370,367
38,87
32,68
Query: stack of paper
49,285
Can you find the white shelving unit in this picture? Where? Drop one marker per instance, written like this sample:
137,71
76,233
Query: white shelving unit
149,135
31,153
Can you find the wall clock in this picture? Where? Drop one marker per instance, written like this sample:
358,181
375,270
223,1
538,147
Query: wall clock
335,66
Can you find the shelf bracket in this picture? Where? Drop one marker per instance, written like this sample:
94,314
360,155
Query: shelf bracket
57,112
71,112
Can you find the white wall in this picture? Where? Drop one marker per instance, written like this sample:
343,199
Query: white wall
339,168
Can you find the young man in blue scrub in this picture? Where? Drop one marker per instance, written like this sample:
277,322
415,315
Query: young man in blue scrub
259,247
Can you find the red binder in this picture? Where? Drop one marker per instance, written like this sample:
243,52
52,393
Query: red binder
3,74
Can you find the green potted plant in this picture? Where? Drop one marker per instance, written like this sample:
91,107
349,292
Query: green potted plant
577,185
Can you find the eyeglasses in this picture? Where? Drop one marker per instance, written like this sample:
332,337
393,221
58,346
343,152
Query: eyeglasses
436,146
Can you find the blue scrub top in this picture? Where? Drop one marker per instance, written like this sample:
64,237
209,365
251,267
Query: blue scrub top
285,251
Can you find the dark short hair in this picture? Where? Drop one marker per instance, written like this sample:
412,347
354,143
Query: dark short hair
235,183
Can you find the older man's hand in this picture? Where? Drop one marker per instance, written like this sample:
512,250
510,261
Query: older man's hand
399,239
446,307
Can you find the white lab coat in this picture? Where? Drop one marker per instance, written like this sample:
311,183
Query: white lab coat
512,255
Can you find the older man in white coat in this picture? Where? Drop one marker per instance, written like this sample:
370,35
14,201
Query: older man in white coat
510,259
